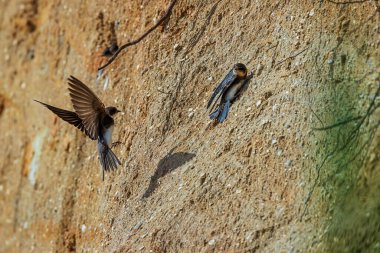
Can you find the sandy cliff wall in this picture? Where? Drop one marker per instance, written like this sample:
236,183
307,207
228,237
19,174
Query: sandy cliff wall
265,180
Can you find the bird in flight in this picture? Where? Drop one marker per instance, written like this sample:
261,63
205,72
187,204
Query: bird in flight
92,118
229,89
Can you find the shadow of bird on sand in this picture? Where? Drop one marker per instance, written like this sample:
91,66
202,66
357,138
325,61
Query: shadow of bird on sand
166,165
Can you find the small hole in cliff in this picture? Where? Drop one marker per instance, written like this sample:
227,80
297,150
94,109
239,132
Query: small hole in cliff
343,59
30,54
267,94
2,104
30,26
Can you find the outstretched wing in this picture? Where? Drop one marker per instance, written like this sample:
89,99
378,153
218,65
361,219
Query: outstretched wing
227,81
70,117
87,105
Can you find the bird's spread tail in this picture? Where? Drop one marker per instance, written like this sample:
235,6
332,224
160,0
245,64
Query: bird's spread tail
221,112
108,159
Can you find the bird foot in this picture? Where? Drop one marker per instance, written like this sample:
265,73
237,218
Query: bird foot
116,143
250,74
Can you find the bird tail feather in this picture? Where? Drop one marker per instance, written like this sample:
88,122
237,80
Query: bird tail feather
223,115
108,159
215,114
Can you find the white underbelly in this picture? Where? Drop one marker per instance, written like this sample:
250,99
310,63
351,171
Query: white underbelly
108,136
231,92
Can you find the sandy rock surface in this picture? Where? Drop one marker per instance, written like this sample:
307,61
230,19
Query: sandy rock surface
187,184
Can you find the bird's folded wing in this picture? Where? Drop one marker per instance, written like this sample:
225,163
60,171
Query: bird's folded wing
70,117
87,105
227,81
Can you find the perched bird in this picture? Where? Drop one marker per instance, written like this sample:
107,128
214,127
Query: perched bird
229,89
92,118
109,51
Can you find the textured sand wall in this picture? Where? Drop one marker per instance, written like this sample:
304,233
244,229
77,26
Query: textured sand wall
187,184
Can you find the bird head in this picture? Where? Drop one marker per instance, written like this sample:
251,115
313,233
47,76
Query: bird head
112,110
241,70
111,50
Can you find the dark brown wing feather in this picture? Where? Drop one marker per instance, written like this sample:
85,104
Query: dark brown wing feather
227,81
87,105
70,117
